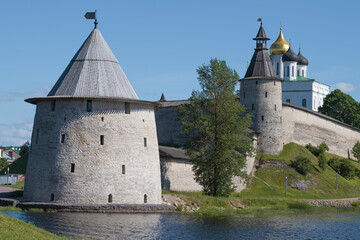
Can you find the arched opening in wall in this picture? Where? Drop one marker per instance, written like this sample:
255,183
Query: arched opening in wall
304,102
88,105
110,198
262,118
288,71
37,136
303,73
62,140
102,119
145,198
52,197
101,139
53,103
288,100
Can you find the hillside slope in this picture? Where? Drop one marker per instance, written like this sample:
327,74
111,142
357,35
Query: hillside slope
272,171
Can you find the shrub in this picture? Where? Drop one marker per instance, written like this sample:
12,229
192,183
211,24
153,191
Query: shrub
298,205
302,165
317,150
343,167
356,150
322,161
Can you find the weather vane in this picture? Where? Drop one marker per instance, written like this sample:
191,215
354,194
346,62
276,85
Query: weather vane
260,19
91,15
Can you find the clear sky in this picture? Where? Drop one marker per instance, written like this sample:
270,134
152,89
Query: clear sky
159,44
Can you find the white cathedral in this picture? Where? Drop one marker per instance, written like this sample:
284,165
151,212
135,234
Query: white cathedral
297,88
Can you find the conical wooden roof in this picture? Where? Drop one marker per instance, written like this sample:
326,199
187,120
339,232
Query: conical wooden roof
94,72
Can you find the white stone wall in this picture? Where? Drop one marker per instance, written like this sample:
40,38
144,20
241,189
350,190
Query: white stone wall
304,126
262,98
302,70
277,59
292,70
319,93
98,168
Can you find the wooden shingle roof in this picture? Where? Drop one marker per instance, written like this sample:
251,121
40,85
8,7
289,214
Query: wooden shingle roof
94,72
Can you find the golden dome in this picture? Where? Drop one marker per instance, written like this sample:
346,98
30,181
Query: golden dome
280,46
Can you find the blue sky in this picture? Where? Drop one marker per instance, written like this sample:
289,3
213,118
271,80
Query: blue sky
159,44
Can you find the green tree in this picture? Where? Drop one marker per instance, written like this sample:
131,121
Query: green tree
343,167
356,150
322,161
24,148
218,129
302,165
341,107
3,163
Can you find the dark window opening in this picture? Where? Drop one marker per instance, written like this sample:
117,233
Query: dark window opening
265,94
102,119
89,106
37,136
288,71
145,198
62,138
145,142
298,72
52,197
304,102
275,107
303,73
73,167
262,118
110,198
277,69
64,118
53,105
252,106
123,169
127,108
101,139
292,71
256,82
287,100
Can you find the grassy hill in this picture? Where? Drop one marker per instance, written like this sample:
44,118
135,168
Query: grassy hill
322,183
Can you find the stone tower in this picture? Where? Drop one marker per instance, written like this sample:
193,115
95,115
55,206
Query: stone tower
93,140
260,92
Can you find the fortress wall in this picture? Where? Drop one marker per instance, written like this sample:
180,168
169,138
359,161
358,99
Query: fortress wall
98,168
303,126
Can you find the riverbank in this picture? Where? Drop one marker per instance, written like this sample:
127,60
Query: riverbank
13,229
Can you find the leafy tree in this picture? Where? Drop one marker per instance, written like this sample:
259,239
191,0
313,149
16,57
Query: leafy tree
302,165
218,129
24,148
317,150
3,163
343,167
341,107
322,161
356,150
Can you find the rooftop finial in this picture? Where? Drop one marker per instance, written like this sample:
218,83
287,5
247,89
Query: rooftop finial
260,20
280,25
92,15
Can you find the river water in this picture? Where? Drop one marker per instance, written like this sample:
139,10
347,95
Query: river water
174,226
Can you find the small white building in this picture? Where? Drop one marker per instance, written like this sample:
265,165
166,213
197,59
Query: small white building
297,88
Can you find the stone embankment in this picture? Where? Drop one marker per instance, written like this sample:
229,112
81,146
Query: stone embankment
346,202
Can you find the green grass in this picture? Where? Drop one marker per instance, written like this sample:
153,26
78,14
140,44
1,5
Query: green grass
262,199
13,229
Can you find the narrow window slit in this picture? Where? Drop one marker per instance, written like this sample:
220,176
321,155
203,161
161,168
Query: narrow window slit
89,106
101,139
145,198
110,198
145,142
73,167
52,197
123,169
62,138
127,108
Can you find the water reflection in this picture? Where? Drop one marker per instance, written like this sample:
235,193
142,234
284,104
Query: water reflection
173,226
